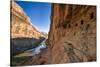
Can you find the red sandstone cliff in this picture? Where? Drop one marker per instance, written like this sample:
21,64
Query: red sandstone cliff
72,36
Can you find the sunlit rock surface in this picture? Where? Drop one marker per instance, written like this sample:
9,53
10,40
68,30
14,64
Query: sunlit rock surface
21,25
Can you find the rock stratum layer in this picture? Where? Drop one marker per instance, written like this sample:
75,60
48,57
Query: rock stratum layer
21,25
72,36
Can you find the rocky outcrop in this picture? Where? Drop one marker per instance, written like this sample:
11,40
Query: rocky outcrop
72,36
21,25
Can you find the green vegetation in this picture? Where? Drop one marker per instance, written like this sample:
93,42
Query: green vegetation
16,61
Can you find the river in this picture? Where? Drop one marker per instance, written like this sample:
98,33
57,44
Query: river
33,51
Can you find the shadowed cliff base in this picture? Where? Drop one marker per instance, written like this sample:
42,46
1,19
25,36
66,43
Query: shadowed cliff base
20,45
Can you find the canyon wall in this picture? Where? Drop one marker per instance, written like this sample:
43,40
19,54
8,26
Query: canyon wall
72,36
24,35
21,25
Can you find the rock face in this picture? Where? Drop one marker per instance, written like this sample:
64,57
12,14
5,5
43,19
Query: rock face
24,35
21,25
72,36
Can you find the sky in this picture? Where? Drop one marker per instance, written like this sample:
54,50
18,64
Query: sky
39,13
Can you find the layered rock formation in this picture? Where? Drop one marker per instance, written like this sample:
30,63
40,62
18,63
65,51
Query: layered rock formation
72,36
24,34
21,25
